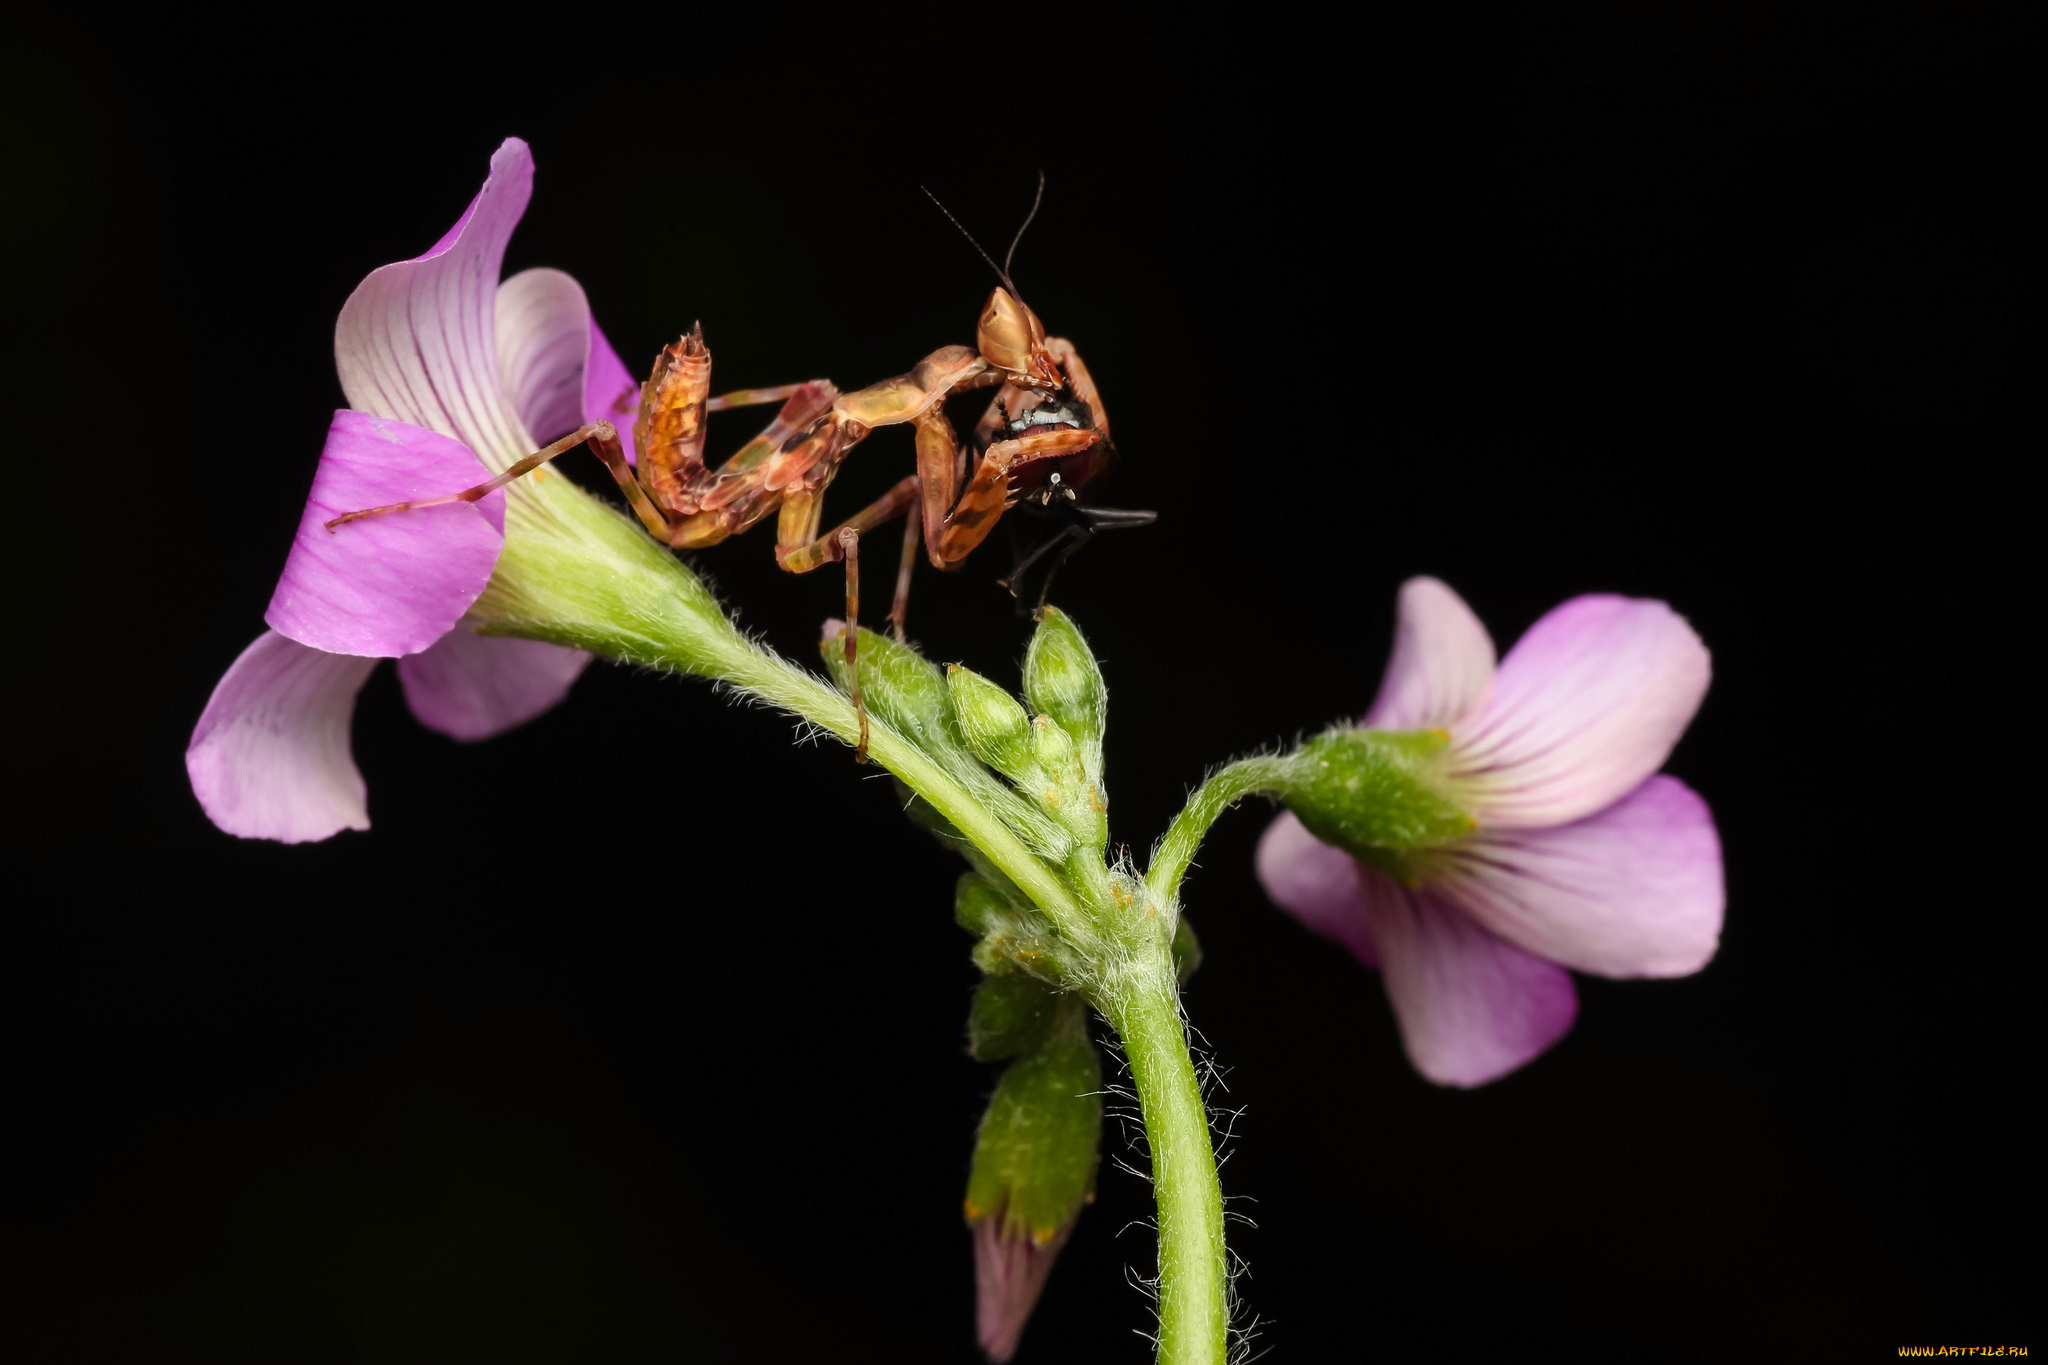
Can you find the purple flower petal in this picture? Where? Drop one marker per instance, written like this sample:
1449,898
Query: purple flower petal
1316,884
1472,1007
471,686
418,340
393,584
1009,1274
1583,708
610,393
1442,663
543,346
1633,891
269,758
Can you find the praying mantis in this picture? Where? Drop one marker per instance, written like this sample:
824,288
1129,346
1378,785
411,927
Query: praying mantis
1043,435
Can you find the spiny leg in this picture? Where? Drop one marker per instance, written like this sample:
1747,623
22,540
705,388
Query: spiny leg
604,440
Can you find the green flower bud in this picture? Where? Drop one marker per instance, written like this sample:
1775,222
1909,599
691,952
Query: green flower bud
1034,1160
1014,936
1011,1015
1380,795
994,725
1066,795
902,688
979,906
1062,680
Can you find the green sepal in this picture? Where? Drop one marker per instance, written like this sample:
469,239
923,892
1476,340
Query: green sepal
1011,1015
1380,795
1035,1157
1062,680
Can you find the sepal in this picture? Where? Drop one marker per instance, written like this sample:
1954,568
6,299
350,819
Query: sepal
1380,795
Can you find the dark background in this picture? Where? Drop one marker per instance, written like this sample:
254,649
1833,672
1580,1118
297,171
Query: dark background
1708,303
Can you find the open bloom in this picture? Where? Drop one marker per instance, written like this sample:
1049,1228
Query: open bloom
1582,856
449,375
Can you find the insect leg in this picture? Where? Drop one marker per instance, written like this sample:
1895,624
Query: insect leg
604,440
900,608
802,558
841,543
848,541
744,398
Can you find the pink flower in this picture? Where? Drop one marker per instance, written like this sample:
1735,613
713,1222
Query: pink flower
1582,858
449,375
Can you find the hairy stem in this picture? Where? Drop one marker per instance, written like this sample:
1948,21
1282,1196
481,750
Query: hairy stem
576,573
1225,788
1194,1312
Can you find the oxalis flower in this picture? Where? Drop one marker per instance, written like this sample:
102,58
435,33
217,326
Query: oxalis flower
1576,855
449,375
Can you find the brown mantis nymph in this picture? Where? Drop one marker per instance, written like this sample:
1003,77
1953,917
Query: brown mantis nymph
1043,435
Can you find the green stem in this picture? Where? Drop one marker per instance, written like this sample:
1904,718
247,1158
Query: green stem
576,573
1194,1312
1225,788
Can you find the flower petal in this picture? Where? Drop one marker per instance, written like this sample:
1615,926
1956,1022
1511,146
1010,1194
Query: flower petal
610,393
1010,1271
1584,707
269,758
1472,1007
471,686
1442,662
418,340
1316,884
393,584
543,345
1633,891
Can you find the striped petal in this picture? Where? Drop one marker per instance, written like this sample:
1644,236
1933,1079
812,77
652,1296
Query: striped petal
393,584
1472,1006
1635,890
270,757
1585,707
417,341
1442,663
471,686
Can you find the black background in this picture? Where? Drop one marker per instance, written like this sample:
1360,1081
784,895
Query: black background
636,1034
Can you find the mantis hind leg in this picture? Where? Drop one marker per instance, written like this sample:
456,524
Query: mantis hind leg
798,520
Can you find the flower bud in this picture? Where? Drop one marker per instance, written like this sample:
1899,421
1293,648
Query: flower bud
1380,795
1014,936
994,725
1011,1015
1062,680
1034,1168
900,686
1070,799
